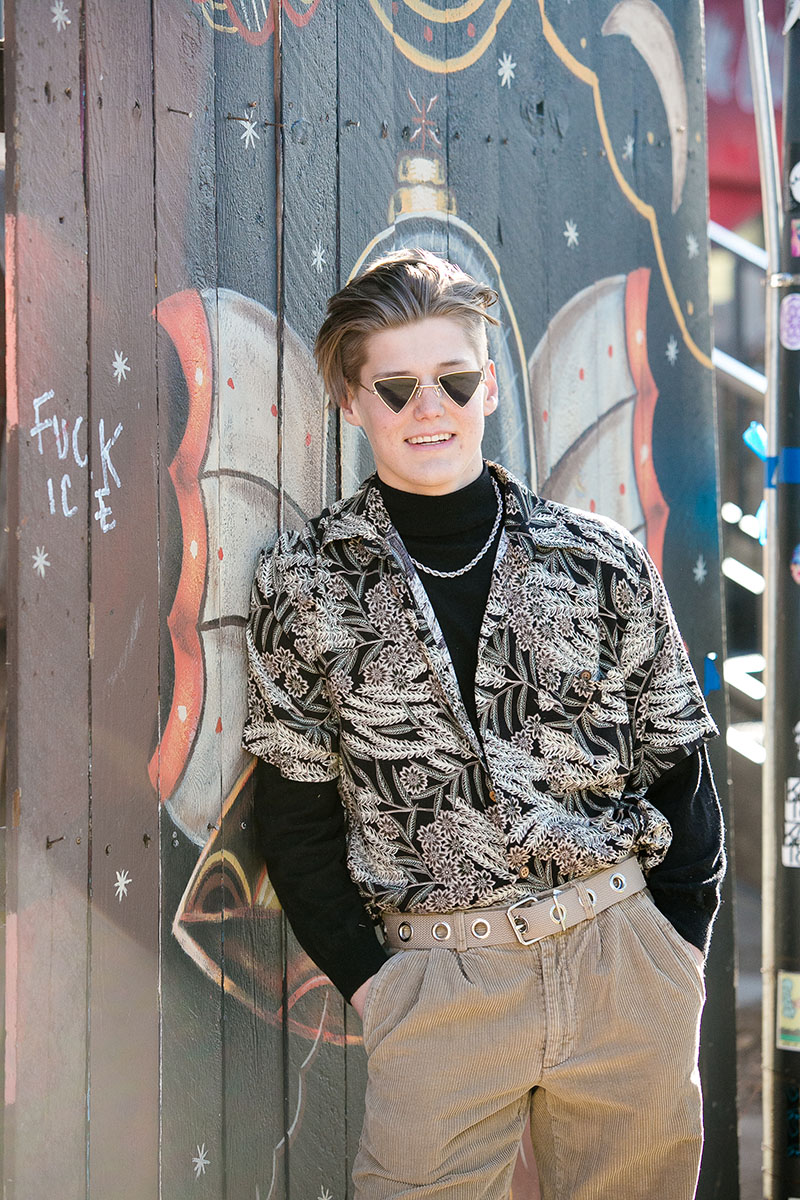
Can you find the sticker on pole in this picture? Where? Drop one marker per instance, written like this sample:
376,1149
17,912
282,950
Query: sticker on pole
790,322
787,1024
790,851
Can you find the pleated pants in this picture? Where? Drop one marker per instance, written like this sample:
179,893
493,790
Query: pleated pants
593,1033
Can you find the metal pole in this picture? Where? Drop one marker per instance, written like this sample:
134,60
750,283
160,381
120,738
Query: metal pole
781,779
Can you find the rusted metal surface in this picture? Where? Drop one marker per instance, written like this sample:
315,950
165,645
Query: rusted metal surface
187,184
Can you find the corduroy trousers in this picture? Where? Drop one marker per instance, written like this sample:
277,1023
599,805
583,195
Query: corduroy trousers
593,1033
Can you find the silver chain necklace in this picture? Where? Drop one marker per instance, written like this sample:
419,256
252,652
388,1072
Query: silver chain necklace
463,570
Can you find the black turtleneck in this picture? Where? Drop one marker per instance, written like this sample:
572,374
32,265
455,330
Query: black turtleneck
446,532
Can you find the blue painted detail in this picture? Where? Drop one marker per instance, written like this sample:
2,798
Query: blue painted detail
711,679
755,436
761,517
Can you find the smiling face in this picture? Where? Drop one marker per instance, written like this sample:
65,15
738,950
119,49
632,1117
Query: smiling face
432,446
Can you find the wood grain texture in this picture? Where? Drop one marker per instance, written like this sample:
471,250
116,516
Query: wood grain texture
124,976
45,1128
230,179
192,1065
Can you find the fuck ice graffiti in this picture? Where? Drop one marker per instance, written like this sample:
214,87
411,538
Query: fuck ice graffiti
66,443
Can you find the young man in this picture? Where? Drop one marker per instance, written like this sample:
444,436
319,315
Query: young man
479,728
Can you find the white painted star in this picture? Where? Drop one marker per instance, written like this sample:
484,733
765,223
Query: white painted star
571,233
121,886
249,134
692,245
505,70
700,570
672,351
324,1194
40,560
120,367
630,145
318,257
60,18
200,1161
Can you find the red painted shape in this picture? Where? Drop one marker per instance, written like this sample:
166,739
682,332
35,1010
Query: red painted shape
230,382
610,351
470,30
428,33
274,410
300,19
308,439
219,554
654,506
622,489
219,725
545,415
581,374
592,506
183,317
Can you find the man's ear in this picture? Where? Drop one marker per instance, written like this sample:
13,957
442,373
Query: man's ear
491,399
349,407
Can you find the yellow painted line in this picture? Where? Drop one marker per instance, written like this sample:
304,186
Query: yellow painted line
445,65
588,77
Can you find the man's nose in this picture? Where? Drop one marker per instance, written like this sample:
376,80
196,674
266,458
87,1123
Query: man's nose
428,400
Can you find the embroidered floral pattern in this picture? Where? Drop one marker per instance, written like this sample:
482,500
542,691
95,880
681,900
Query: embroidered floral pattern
584,692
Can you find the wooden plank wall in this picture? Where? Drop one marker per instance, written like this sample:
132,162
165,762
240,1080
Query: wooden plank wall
187,182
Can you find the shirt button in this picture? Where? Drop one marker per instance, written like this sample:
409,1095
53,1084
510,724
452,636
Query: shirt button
492,794
524,872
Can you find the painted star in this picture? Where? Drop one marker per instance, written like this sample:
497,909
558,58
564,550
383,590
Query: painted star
60,18
121,886
324,1194
200,1161
700,570
249,134
505,70
40,560
318,257
692,245
672,351
630,145
120,367
571,233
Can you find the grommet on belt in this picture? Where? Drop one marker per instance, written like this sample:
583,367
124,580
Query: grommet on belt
404,931
441,931
618,882
481,928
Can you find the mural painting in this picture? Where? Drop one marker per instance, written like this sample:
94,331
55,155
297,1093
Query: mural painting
243,161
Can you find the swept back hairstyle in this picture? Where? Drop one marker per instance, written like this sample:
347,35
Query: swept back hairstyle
400,287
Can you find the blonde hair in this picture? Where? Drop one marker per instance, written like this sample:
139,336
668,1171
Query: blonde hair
397,289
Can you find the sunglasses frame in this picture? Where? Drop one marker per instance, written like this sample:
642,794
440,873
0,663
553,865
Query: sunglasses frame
418,387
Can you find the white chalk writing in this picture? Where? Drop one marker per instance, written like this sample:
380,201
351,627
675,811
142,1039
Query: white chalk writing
64,442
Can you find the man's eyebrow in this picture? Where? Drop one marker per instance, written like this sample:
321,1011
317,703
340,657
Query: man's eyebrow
440,367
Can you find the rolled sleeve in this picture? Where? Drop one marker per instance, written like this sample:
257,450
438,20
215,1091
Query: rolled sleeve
290,721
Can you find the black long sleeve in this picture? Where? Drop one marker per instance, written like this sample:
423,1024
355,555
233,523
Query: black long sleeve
301,834
685,886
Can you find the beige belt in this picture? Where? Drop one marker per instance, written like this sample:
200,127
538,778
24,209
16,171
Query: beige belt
526,922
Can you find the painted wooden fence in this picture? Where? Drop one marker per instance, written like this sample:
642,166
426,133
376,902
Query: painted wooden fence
187,182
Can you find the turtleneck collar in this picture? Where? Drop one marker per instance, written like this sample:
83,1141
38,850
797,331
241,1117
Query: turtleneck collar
469,508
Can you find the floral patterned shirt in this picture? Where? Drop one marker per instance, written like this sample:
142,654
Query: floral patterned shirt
584,692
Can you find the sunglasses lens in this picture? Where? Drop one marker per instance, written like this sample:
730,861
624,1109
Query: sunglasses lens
396,391
461,385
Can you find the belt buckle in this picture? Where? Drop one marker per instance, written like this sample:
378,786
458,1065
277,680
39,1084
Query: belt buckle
519,933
